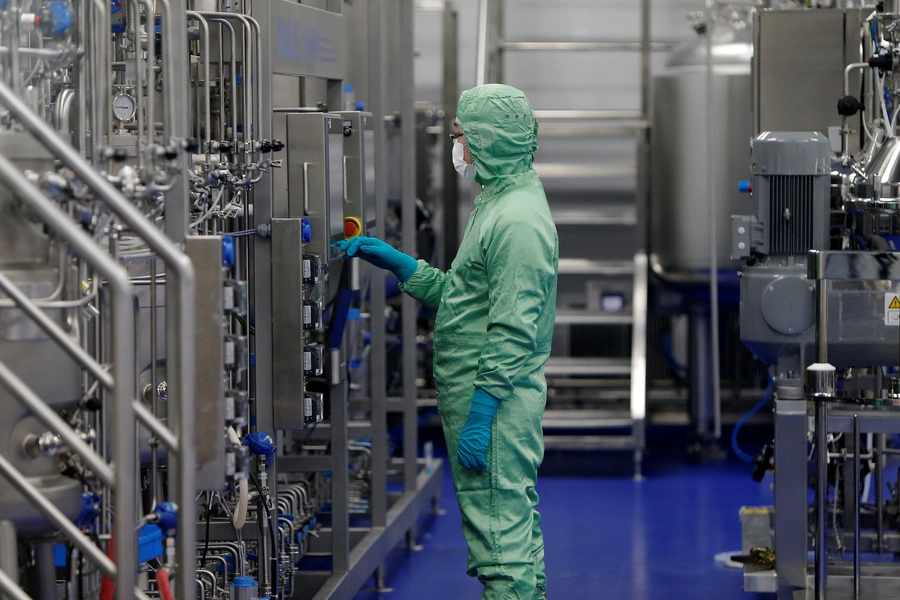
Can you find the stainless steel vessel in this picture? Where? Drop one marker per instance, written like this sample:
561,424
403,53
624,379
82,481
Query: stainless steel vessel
680,204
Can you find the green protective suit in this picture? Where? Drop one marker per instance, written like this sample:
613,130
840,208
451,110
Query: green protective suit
495,314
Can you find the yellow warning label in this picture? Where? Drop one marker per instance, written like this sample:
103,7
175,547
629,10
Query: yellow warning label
895,303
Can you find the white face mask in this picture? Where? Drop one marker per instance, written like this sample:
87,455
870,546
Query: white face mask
459,161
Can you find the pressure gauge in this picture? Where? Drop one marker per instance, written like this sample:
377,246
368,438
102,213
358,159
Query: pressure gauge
124,107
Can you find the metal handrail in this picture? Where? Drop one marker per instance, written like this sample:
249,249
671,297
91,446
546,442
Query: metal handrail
584,46
46,415
564,114
639,339
10,589
122,349
181,376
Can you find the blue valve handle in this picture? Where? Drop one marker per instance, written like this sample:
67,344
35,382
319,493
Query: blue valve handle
168,516
260,444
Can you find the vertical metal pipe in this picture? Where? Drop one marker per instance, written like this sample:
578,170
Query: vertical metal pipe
234,116
265,572
99,89
154,403
879,489
206,82
645,59
340,501
821,573
180,318
481,54
151,77
221,74
377,361
171,62
821,569
450,180
81,80
258,82
857,449
42,584
408,162
814,261
9,553
713,217
14,66
139,81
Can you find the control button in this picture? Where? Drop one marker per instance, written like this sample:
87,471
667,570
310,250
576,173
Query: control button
352,227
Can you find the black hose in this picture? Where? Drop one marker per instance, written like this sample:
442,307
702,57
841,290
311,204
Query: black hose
206,543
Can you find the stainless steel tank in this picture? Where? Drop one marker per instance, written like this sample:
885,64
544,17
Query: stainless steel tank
31,259
680,205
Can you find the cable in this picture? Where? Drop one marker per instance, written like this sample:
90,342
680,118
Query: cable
243,233
244,323
306,439
265,507
759,405
206,543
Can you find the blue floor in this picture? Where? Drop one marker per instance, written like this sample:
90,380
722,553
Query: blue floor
607,536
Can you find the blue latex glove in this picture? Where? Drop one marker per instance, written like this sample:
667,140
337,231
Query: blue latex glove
382,255
476,434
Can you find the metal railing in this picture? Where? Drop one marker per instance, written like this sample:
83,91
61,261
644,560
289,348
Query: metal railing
121,383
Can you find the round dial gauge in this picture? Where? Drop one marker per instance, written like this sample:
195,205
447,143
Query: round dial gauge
124,107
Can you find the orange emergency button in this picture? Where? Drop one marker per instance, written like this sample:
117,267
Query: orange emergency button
352,227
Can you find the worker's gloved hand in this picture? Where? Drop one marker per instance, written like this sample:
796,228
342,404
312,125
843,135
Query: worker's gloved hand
476,435
381,254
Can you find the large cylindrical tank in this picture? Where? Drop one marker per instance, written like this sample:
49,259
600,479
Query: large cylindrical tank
30,258
680,204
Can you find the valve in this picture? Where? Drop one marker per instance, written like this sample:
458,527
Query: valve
260,444
225,146
849,106
885,62
277,145
56,19
47,444
167,517
90,510
763,463
191,145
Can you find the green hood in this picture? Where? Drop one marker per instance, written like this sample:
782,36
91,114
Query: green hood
500,130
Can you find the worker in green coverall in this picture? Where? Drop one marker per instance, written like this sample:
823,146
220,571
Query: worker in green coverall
495,313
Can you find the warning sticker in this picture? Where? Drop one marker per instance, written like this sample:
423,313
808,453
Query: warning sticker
892,309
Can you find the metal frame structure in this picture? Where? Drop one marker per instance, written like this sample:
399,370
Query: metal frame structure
178,436
358,552
492,46
835,414
177,410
